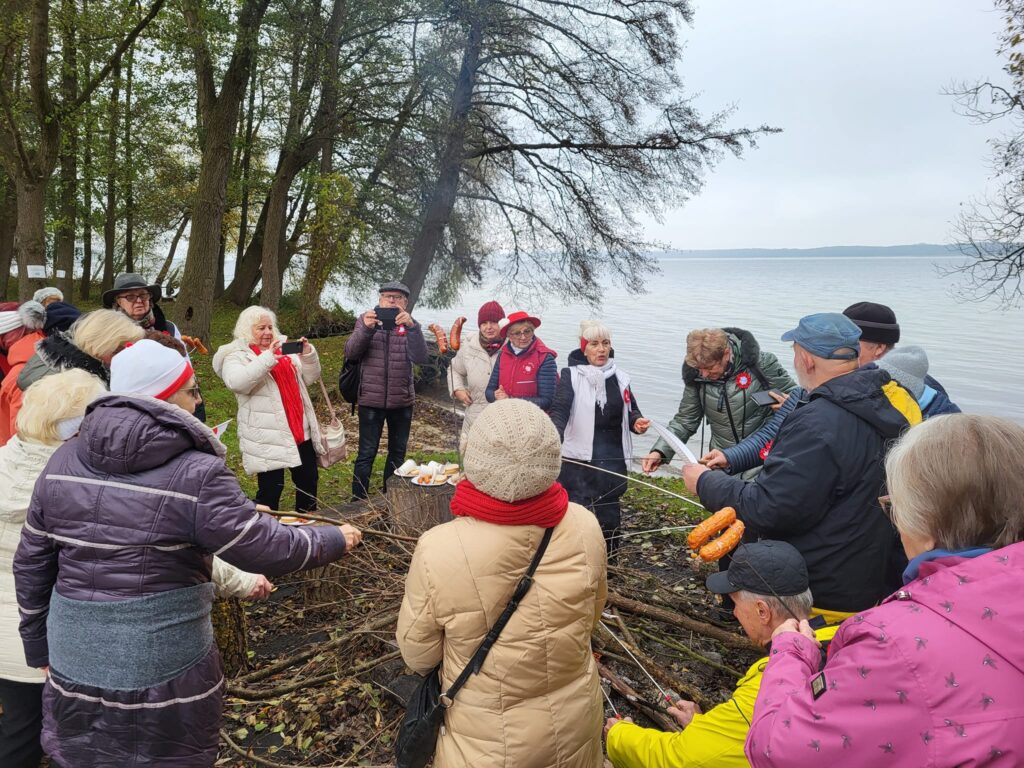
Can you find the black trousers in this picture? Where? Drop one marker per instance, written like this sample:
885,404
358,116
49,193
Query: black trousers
20,724
305,476
371,426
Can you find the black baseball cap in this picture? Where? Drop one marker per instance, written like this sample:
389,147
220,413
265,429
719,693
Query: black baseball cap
764,568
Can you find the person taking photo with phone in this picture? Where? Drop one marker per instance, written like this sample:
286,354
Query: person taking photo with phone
386,343
277,426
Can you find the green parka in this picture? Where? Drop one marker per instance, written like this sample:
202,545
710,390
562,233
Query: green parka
728,407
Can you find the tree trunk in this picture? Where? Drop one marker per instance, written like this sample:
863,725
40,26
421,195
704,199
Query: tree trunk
415,509
30,236
162,275
64,241
247,270
274,234
193,309
110,213
243,217
85,287
8,222
129,167
229,631
442,201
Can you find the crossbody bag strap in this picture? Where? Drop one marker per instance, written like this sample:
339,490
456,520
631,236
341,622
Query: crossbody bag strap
327,398
476,662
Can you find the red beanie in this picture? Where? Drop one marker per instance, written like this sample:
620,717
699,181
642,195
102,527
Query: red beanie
491,312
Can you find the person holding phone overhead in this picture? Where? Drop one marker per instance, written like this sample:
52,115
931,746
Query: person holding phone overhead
386,342
277,426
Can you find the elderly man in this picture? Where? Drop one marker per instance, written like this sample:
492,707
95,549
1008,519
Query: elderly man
386,346
723,369
820,483
768,584
879,334
140,301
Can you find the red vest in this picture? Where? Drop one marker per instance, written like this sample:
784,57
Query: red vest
517,374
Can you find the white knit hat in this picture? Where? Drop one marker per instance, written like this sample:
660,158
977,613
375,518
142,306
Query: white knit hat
148,368
512,451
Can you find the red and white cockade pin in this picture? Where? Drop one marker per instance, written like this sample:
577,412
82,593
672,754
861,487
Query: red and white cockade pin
742,379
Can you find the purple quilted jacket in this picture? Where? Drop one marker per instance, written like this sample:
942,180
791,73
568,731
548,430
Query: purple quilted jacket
137,504
387,360
934,676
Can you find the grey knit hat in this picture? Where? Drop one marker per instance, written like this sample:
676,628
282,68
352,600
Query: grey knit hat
512,451
908,366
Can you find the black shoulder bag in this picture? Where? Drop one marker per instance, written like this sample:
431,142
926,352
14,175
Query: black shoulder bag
417,738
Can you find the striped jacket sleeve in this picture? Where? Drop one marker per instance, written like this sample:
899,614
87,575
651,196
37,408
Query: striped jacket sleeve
747,453
35,573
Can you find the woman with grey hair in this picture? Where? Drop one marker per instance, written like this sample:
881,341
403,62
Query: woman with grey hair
277,425
932,675
596,414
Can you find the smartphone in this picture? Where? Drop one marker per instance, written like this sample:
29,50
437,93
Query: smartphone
763,398
291,348
386,316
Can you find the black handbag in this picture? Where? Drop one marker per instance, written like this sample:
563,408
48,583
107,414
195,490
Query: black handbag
417,738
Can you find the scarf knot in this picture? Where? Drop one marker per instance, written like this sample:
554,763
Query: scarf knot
286,378
596,378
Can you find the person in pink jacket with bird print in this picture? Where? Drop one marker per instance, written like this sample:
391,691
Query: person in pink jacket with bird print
934,676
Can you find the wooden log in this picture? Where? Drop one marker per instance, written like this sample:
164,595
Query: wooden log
229,632
415,509
724,637
656,714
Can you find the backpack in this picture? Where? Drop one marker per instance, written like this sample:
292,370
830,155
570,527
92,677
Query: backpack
348,381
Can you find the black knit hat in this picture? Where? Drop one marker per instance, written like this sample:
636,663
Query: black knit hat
877,322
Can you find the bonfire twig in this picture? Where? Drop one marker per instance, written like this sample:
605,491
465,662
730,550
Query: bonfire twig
252,694
322,519
653,712
637,608
238,750
691,653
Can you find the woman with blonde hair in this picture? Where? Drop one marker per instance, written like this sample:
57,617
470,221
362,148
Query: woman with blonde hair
277,425
596,414
50,414
933,675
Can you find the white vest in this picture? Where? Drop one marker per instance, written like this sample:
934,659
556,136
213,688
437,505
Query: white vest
578,440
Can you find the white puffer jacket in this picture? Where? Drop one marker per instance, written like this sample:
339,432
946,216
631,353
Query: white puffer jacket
263,433
471,370
20,464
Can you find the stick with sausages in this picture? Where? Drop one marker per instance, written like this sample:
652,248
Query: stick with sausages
456,335
442,342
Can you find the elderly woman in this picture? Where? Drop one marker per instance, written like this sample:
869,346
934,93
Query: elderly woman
535,701
595,414
117,553
932,676
471,368
27,320
277,426
525,367
723,369
50,415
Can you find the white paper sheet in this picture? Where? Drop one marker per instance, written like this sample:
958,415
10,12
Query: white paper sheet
682,452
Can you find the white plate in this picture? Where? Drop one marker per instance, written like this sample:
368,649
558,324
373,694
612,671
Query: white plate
410,473
424,482
294,520
454,479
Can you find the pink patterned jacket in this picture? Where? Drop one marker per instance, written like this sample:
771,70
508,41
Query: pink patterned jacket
934,676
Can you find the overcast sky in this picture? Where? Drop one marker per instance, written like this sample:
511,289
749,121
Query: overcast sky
872,152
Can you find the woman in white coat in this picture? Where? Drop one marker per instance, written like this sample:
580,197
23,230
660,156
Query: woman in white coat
50,414
471,368
277,426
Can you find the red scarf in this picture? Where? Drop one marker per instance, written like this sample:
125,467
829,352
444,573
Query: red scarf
545,509
288,384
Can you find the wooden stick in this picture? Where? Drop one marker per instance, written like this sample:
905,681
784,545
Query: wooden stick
270,763
654,713
660,674
253,694
379,623
637,608
691,653
321,519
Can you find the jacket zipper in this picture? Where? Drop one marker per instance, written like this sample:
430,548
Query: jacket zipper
387,365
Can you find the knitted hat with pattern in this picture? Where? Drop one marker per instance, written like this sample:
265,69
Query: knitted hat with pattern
512,451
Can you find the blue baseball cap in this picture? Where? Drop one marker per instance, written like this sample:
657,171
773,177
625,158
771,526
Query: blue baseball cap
825,334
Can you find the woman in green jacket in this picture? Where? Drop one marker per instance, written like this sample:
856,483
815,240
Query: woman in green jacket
723,369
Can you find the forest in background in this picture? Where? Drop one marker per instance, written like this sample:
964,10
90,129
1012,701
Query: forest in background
311,141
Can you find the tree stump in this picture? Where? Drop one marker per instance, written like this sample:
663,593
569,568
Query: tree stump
415,509
229,632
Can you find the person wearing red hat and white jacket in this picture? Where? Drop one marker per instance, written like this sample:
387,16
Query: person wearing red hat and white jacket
525,367
471,368
113,572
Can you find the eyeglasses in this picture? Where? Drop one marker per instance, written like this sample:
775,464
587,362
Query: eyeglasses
135,298
522,334
394,298
194,391
885,502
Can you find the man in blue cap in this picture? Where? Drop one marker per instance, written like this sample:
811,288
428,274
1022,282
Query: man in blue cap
822,477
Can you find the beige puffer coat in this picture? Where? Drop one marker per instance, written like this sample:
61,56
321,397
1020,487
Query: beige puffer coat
536,702
471,370
263,433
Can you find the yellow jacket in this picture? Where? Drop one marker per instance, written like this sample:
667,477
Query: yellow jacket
712,739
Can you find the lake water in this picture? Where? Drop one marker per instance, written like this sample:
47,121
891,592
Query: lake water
973,349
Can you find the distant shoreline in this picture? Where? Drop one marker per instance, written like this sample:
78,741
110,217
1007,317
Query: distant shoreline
917,250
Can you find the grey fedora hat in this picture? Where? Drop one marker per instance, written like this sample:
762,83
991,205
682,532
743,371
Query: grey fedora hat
125,282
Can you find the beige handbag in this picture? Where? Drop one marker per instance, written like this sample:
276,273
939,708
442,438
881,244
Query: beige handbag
332,436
